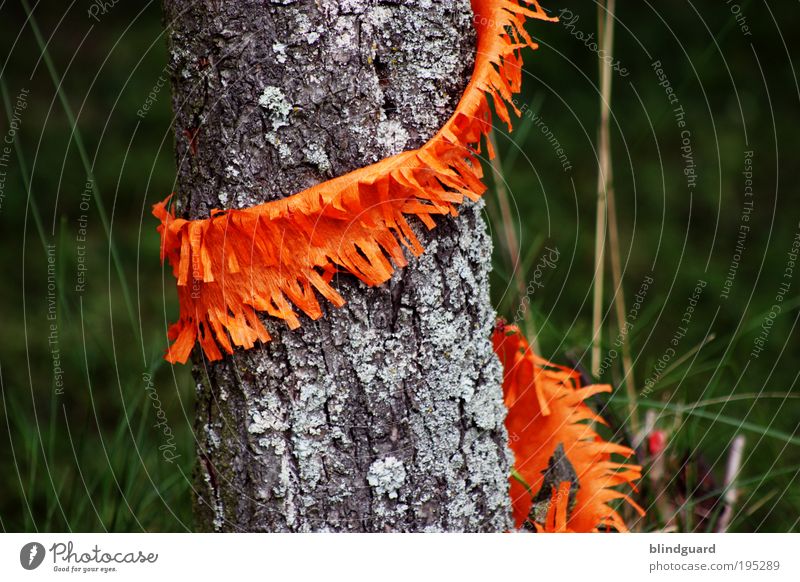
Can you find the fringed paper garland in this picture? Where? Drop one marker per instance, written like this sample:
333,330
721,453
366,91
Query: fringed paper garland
546,409
276,257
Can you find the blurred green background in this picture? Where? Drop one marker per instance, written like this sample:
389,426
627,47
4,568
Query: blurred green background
105,443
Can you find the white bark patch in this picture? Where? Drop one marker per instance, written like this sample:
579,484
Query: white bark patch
280,52
386,476
274,101
393,136
316,155
284,151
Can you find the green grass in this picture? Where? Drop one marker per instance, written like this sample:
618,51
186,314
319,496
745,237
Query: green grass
87,460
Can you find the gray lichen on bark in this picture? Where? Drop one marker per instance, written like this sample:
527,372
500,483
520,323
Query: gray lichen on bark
386,414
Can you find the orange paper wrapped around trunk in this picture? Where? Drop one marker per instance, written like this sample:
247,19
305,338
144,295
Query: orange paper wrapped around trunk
278,256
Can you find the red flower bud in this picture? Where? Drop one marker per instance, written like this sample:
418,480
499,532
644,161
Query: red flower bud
656,442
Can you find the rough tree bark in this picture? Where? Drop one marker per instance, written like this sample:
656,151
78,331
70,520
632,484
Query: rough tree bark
386,414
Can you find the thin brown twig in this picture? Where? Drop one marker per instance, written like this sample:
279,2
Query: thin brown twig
619,305
607,30
606,38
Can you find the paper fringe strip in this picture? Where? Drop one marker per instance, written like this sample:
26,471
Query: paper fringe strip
546,408
275,257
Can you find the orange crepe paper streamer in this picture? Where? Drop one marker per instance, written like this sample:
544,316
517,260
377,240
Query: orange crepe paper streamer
556,519
277,256
546,408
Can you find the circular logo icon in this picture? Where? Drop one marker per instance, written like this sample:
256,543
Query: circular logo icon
31,555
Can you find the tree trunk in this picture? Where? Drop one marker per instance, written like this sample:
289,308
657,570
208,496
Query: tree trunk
385,414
